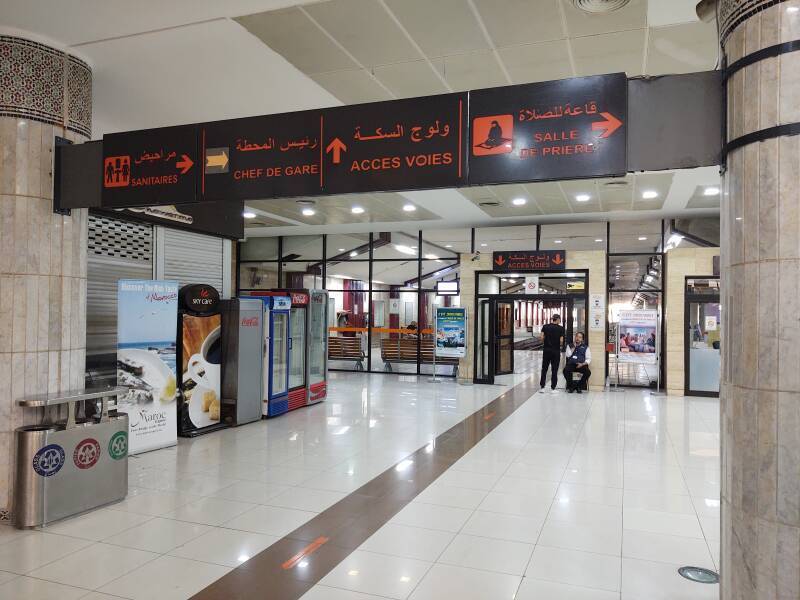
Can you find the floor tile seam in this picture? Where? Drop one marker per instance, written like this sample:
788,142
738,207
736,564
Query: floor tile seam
74,587
624,448
97,589
576,585
336,587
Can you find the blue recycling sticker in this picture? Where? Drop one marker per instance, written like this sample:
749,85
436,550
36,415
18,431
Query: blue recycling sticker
49,460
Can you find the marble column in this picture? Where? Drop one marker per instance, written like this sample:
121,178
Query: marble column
44,93
760,394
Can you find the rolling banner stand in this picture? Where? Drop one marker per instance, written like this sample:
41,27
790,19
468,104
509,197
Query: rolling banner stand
638,341
450,334
147,315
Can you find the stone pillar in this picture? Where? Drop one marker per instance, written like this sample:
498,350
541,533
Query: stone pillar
760,393
44,93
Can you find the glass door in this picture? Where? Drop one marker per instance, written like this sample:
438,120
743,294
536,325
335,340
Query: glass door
297,347
318,338
702,341
279,376
503,337
483,373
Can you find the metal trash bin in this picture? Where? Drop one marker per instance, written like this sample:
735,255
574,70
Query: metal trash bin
63,469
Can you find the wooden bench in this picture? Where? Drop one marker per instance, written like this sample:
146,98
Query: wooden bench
404,350
346,348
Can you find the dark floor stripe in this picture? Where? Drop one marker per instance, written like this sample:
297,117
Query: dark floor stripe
293,565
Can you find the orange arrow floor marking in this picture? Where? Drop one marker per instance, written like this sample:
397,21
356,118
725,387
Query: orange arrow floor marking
310,549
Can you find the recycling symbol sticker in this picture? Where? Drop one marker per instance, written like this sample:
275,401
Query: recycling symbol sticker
48,460
118,445
86,454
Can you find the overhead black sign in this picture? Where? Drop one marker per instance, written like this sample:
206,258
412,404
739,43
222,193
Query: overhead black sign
529,260
415,143
199,298
150,167
263,157
566,129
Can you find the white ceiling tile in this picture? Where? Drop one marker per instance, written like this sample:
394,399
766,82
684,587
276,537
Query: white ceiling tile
365,29
671,12
352,86
512,22
580,23
441,27
408,79
609,53
471,71
294,36
537,62
682,49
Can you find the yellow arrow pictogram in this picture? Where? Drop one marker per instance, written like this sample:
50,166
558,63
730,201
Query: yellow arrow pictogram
217,160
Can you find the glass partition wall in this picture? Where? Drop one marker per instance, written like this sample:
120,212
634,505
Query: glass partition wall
381,287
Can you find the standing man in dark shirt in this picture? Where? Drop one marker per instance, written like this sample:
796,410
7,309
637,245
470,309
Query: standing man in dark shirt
553,338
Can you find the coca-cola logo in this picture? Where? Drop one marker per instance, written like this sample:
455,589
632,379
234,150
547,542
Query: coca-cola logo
299,299
250,322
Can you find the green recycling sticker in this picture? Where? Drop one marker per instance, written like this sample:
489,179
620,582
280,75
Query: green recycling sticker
118,445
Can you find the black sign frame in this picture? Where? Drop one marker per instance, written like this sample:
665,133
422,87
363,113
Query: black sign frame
513,261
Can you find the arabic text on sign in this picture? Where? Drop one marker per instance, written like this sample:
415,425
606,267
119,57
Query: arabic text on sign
566,110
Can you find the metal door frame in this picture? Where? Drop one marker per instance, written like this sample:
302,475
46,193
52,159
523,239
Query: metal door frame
494,347
687,300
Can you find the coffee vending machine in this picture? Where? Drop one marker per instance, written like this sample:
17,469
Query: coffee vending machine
242,342
199,360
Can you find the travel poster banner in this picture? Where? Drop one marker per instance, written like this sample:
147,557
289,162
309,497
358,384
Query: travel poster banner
147,318
451,332
637,336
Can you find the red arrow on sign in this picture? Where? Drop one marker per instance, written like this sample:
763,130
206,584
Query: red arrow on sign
557,260
336,147
500,261
185,164
609,125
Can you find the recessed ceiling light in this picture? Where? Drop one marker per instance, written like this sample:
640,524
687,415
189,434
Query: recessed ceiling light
711,191
356,210
519,201
738,218
483,245
354,253
583,197
557,241
792,9
249,215
431,257
642,238
448,245
649,194
409,207
599,240
309,212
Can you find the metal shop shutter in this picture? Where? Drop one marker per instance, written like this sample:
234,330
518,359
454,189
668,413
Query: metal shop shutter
193,258
117,250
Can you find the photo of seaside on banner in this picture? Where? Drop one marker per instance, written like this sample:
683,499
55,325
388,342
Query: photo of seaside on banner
146,325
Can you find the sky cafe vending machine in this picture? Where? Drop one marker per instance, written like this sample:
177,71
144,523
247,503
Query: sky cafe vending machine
242,363
308,345
199,360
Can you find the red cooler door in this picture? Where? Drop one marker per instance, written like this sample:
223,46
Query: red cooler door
318,350
298,386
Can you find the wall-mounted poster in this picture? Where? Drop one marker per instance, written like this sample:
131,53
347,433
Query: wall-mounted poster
451,331
147,316
638,335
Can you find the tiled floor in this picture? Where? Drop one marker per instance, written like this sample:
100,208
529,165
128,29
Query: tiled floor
573,497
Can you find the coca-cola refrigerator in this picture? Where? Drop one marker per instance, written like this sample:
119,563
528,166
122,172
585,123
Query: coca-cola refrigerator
242,360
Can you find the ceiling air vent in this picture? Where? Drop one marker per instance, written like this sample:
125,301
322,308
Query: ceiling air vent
616,184
599,6
490,203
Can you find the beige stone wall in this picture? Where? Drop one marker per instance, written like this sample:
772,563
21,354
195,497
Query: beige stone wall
681,262
760,387
595,261
466,370
42,282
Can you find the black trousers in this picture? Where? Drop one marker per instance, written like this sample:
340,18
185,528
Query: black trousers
585,374
550,358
